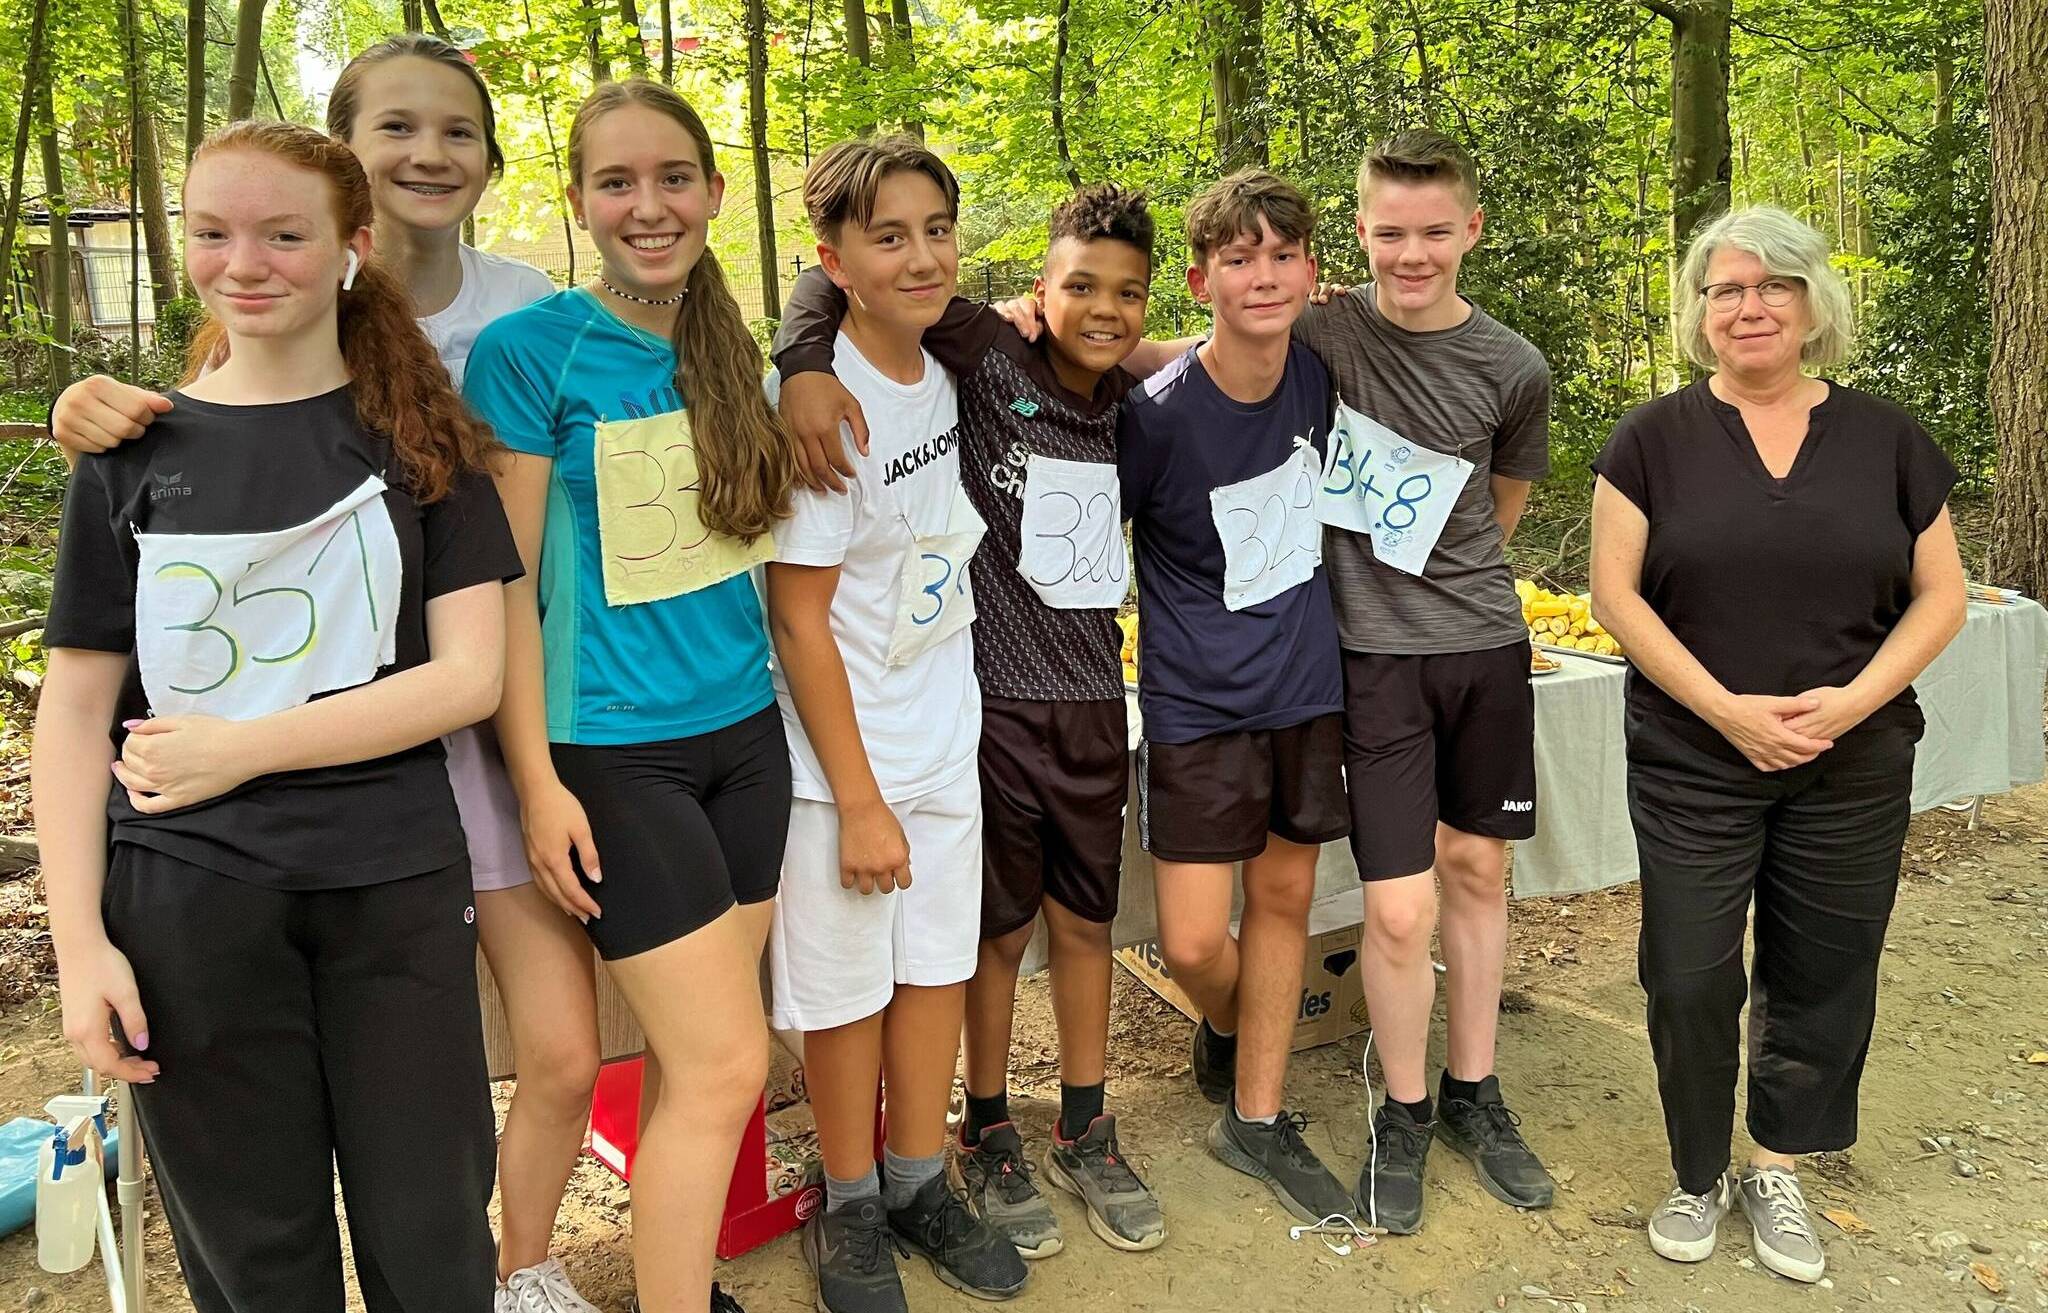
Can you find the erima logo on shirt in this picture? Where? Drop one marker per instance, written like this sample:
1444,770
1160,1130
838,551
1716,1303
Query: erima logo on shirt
910,462
169,485
1510,805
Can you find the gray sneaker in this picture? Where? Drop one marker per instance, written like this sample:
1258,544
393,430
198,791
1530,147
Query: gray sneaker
1120,1208
1685,1226
847,1249
1277,1155
1781,1230
996,1179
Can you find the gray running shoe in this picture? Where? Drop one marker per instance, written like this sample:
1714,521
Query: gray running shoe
1781,1230
1120,1208
847,1249
1277,1155
1488,1132
1390,1181
996,1179
965,1252
1685,1226
1215,1078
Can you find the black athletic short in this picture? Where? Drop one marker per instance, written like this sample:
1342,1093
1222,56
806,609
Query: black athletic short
1216,799
1053,782
684,828
1448,736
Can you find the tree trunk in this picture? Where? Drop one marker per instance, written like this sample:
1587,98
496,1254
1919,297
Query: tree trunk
59,308
593,36
434,19
668,43
757,136
32,78
857,43
1059,99
2016,92
248,60
1805,146
1699,112
412,16
636,52
195,76
147,195
903,55
1236,76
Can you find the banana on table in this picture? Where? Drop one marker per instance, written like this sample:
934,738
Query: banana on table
1563,620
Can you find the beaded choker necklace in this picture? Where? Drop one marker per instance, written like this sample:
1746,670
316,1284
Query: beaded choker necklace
677,299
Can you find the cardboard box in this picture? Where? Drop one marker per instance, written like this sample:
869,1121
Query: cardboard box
1332,992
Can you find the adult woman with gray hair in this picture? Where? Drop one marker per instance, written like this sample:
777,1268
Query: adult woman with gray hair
1774,551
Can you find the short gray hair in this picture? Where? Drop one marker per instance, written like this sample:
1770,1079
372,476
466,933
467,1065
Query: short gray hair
1789,248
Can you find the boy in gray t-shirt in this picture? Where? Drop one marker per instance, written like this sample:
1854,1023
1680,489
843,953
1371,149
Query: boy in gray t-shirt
1439,724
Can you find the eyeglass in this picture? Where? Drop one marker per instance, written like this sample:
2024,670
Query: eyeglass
1772,292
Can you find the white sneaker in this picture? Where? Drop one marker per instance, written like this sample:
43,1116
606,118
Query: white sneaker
1685,1226
504,1301
542,1288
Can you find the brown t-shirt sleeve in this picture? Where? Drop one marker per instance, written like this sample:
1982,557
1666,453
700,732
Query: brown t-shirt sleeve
810,324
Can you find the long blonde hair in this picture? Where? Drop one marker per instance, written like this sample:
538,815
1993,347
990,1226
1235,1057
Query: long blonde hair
744,455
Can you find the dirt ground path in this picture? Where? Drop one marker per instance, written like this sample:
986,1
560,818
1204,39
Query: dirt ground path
1951,1177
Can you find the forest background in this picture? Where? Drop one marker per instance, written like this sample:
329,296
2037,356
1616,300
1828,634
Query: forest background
1912,132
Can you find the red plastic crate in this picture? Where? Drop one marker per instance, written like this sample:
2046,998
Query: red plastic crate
751,1217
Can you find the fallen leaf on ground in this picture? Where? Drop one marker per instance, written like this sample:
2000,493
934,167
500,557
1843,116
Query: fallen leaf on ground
2038,1059
1987,1277
1845,1221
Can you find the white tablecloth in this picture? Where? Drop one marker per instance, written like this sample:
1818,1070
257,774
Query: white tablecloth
1981,697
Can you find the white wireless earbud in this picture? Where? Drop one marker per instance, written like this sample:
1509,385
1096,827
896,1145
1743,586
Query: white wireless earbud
348,277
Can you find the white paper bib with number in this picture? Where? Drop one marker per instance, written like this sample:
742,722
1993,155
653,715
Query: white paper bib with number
935,598
653,543
1378,483
1072,547
1271,539
240,625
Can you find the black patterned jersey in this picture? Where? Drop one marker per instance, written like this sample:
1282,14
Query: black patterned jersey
1012,407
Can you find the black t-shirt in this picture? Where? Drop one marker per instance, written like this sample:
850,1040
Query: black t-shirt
1203,668
208,472
1012,407
1778,585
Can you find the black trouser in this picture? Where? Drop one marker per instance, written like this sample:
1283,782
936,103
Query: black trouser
1818,846
299,1032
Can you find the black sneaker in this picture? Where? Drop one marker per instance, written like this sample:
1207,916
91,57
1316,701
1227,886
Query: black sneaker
1277,1155
1121,1209
847,1250
1484,1130
1215,1079
1390,1184
965,1252
722,1302
995,1178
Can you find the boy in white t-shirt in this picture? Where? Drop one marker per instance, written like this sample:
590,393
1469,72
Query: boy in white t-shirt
870,604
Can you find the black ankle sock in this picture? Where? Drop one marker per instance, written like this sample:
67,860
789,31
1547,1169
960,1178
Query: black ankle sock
1453,1088
1080,1105
1222,1048
1419,1110
984,1113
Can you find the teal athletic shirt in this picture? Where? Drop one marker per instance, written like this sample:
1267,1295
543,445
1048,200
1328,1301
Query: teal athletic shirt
544,377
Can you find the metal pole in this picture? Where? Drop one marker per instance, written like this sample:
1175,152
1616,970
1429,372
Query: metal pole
128,1188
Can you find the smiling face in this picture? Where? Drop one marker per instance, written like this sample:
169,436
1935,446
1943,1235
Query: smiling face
1257,282
900,268
1758,340
646,197
1092,298
262,245
1415,234
419,131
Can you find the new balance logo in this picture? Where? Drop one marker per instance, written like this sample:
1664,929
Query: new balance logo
1024,407
169,485
1510,805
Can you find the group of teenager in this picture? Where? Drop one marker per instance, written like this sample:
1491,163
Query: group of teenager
439,607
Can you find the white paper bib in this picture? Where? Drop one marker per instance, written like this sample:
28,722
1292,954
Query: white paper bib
1377,483
935,598
1072,546
240,625
1272,540
653,543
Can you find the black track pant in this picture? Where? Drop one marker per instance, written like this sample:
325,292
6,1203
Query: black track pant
299,1032
1818,847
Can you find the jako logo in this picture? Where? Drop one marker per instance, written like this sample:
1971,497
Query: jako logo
169,485
1510,805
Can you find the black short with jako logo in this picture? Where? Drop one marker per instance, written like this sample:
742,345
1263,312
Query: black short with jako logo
1442,736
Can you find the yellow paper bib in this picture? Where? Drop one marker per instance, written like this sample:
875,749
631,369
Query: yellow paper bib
653,544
